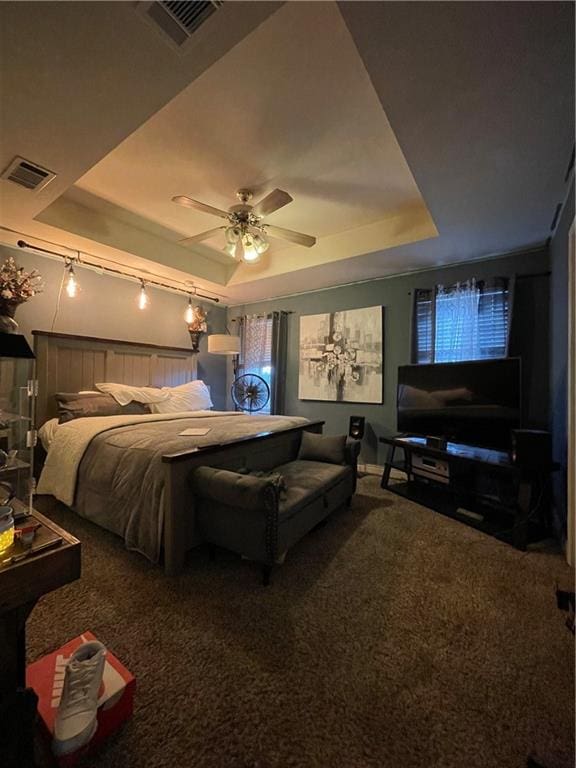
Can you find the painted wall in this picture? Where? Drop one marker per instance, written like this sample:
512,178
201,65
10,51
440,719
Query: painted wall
559,358
396,295
106,307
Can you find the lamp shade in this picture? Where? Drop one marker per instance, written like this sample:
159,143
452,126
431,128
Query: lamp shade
223,344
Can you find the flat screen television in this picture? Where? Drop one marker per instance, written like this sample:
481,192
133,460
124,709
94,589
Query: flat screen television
476,402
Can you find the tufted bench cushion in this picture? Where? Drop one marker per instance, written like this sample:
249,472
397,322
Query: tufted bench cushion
261,517
305,481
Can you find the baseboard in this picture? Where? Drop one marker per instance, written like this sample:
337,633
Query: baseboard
376,469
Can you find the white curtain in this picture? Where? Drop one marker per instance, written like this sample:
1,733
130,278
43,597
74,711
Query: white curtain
457,334
256,343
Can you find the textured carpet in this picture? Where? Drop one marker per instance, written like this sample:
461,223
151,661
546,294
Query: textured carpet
391,637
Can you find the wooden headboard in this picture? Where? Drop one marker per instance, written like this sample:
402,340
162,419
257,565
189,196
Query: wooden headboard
68,363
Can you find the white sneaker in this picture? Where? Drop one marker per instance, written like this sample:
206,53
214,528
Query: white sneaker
76,719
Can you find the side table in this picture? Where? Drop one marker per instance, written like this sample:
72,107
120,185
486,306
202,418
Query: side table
23,580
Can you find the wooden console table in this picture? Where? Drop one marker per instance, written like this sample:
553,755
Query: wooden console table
464,461
23,580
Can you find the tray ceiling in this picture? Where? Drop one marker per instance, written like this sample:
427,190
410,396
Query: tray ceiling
400,130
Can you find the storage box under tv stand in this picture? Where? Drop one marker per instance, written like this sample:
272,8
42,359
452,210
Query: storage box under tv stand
479,486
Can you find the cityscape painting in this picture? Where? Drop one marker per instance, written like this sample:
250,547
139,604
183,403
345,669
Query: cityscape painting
341,356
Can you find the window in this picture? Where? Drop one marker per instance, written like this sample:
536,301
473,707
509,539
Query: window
465,321
256,351
263,350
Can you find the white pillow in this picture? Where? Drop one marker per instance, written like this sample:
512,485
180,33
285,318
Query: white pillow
124,393
192,396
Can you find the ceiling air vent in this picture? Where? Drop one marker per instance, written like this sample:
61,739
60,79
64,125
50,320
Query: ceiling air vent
28,174
179,19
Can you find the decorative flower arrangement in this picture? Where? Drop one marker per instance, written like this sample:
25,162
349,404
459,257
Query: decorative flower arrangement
198,324
16,285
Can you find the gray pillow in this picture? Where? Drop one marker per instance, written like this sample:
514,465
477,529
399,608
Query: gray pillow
76,405
327,448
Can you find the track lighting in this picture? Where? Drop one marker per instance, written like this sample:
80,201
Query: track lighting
103,269
143,299
71,282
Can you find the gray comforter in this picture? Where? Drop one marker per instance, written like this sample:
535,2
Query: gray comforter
121,477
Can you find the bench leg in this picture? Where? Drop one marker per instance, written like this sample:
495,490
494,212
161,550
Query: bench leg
266,573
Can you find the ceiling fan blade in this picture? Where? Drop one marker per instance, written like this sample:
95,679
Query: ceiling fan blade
188,202
272,202
202,236
293,237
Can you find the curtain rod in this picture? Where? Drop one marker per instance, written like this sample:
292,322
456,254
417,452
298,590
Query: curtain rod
192,291
266,314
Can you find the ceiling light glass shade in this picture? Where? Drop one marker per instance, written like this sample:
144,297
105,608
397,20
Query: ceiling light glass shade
223,344
230,249
233,234
249,252
260,244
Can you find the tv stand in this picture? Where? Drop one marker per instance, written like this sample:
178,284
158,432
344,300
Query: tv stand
479,486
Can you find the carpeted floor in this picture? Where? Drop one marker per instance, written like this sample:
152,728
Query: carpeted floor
392,637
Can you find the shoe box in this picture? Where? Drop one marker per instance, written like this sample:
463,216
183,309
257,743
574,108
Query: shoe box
115,702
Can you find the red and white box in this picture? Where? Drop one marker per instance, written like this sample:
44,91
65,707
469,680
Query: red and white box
115,701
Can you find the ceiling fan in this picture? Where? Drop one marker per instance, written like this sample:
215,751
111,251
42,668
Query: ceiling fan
246,233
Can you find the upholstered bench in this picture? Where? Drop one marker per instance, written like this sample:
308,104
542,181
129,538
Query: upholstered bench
260,516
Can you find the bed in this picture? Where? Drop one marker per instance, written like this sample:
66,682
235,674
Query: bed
130,473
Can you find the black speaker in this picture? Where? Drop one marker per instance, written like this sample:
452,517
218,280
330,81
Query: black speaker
356,428
532,449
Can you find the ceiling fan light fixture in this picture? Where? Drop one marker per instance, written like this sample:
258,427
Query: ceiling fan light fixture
249,251
260,244
244,227
233,234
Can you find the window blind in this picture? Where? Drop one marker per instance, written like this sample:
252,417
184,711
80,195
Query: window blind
493,323
478,335
423,317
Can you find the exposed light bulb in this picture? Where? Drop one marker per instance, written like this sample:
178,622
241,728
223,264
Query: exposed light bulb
189,314
71,283
143,299
250,254
230,249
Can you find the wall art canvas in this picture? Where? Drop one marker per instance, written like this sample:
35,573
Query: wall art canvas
341,356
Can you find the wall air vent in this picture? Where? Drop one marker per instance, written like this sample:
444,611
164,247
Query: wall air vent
179,19
28,174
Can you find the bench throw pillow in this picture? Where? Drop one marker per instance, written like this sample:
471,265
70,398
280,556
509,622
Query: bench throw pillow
327,448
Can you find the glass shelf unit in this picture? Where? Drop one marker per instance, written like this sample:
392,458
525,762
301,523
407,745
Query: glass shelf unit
18,390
